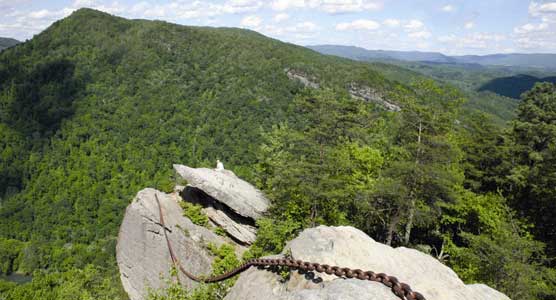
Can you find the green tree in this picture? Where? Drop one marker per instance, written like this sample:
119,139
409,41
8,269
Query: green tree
533,174
425,168
485,242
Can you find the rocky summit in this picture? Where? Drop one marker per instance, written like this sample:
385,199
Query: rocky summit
233,205
142,252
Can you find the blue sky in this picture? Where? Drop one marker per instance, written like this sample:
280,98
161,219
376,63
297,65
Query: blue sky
450,26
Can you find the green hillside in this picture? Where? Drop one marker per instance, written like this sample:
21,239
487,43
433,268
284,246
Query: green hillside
97,107
514,86
465,76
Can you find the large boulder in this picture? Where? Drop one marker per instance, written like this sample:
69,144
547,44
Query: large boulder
142,253
224,186
350,247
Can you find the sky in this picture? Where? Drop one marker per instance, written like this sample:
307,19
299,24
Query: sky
453,27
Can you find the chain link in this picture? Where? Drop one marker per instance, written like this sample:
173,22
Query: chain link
400,289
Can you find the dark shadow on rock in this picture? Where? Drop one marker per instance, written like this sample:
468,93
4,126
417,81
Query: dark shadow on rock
308,275
198,196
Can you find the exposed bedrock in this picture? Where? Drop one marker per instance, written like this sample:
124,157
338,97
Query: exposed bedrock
142,253
225,187
350,247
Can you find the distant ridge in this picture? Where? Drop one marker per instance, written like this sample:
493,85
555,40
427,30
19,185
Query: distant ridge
514,86
546,61
7,42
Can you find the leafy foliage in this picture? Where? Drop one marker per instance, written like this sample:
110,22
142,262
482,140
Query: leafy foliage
496,248
532,177
194,213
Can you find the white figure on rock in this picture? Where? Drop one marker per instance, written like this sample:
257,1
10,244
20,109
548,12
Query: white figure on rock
219,165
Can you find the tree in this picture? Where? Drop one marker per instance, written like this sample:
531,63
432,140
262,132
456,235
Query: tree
427,158
532,177
485,242
312,170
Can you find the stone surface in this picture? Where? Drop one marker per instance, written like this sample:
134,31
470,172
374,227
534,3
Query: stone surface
370,95
142,253
302,77
350,247
224,186
243,233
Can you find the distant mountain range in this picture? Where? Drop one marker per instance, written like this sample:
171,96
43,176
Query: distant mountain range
546,61
7,42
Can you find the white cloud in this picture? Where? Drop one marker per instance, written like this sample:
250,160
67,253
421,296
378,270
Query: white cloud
281,17
238,6
416,29
391,22
469,25
482,40
447,38
537,9
475,41
299,32
540,35
414,25
360,24
530,28
286,4
424,34
328,6
346,6
448,8
175,10
251,21
305,27
84,3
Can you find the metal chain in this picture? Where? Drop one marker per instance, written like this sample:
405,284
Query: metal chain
400,289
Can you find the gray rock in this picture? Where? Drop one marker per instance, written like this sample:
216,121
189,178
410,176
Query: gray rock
224,186
371,95
243,233
302,77
350,247
142,253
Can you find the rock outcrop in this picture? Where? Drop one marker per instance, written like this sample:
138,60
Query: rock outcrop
142,252
224,186
300,76
145,263
370,95
350,247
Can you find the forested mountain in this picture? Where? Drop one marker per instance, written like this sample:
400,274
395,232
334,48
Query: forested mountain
514,86
97,107
543,61
7,42
490,87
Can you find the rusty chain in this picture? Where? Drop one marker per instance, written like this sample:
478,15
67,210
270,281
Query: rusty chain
400,289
